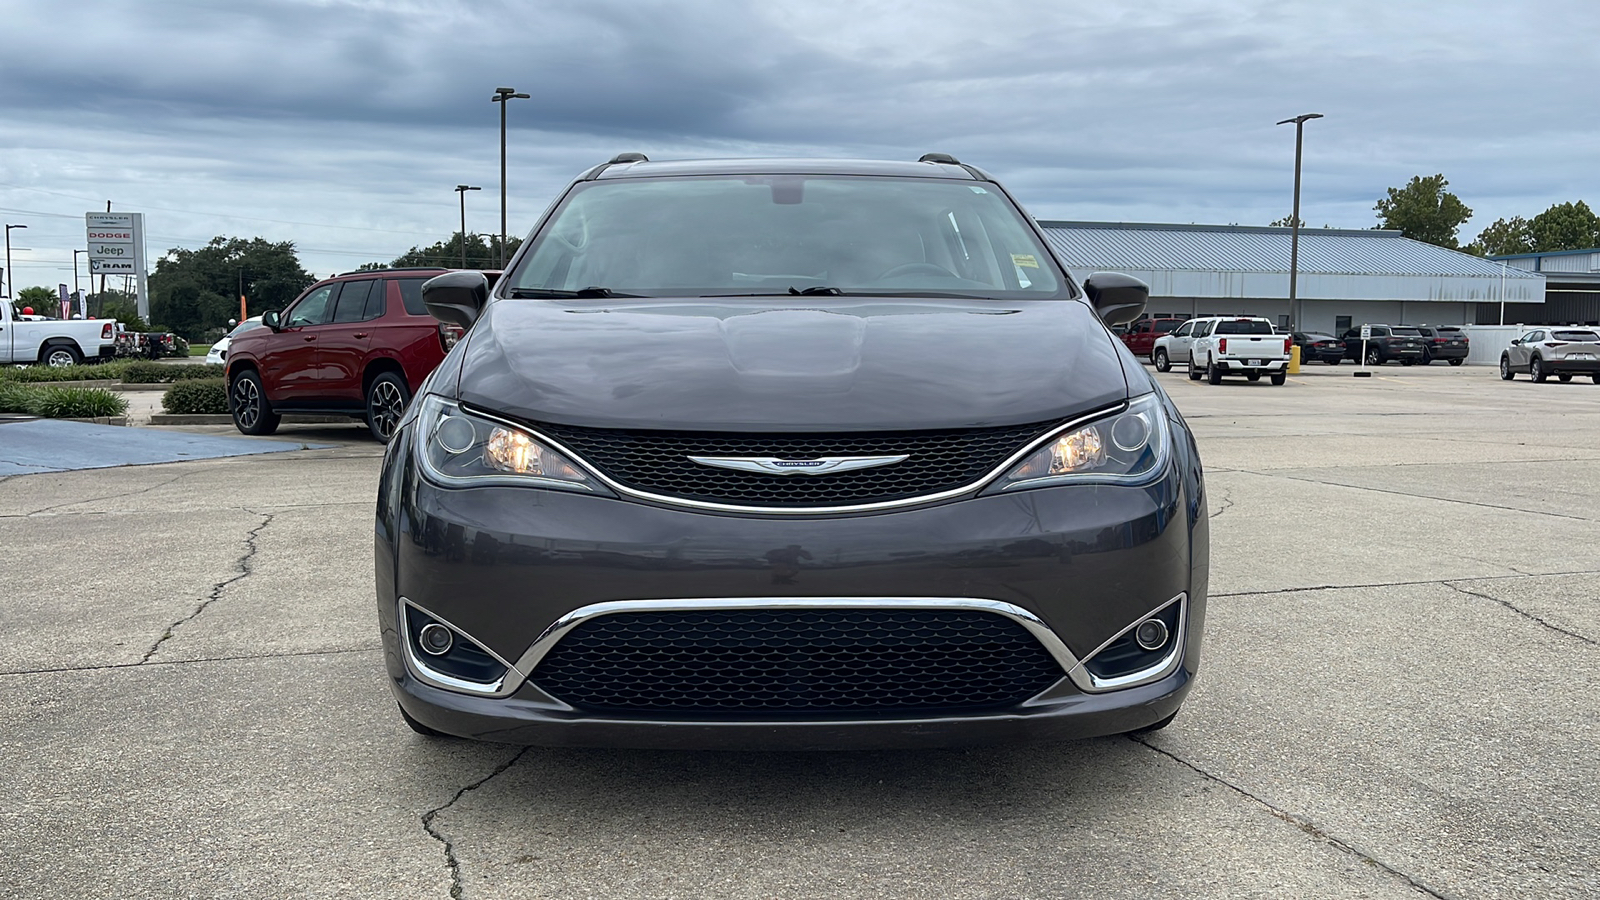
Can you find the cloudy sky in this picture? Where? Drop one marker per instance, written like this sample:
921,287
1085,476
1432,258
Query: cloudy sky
344,125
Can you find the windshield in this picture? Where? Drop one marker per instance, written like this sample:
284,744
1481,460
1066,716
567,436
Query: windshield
244,326
777,234
1246,327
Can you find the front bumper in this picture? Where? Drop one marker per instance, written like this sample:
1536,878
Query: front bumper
505,565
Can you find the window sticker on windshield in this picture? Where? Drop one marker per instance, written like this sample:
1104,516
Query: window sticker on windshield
1025,259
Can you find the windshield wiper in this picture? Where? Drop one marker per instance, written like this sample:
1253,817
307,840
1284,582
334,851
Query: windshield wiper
592,291
816,290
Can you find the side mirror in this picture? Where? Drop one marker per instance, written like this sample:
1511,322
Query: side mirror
456,298
270,320
1516,342
1118,298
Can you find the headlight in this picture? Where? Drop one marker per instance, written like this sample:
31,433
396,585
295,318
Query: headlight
1128,446
461,448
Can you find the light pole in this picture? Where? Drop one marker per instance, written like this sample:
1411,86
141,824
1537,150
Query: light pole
502,96
10,275
1294,221
462,190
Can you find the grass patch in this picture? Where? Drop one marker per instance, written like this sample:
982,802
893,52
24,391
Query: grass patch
50,402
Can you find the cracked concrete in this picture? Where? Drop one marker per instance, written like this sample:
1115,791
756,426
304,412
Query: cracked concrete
1396,700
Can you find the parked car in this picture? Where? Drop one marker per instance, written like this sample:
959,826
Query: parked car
150,345
1546,351
1315,346
1447,342
1401,342
881,477
219,350
358,344
1239,345
1173,348
1141,336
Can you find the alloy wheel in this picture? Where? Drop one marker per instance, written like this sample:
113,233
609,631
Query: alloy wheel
246,403
386,405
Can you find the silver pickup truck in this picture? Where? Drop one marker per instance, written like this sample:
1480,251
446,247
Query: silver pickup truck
53,342
1238,345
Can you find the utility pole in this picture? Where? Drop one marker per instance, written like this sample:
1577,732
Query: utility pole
1294,221
503,96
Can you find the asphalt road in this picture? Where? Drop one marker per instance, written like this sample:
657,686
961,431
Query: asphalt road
1398,697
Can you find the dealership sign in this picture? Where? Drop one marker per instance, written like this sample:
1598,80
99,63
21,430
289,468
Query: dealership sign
116,247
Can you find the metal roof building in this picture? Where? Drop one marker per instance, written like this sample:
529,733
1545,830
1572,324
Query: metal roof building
1572,287
1346,276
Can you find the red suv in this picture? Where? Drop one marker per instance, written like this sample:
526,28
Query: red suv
357,344
1141,336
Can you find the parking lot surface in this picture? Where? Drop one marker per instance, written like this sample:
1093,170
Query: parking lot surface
1398,697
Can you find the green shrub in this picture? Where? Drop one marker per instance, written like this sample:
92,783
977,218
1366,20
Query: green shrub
141,371
198,372
60,402
111,371
196,396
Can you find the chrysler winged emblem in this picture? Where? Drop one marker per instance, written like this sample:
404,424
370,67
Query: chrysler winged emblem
822,465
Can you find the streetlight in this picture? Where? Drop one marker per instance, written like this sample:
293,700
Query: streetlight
502,96
1294,221
462,190
10,274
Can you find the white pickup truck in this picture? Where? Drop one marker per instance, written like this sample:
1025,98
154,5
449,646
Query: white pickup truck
1238,345
53,342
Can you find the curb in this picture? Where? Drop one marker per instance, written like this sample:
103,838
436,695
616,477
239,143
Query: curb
224,419
100,420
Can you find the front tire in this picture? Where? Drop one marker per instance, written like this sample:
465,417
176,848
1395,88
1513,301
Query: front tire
1253,376
1536,370
420,728
1505,368
1160,359
1457,361
1194,370
59,356
1333,360
1564,377
247,401
387,397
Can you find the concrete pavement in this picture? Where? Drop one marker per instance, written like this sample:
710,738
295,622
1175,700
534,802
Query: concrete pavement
1398,697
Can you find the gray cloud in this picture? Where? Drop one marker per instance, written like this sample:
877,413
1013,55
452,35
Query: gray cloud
355,119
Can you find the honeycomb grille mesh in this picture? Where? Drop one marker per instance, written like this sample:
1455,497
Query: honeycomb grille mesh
794,663
658,462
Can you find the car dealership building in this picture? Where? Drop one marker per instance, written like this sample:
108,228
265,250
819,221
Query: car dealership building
1346,276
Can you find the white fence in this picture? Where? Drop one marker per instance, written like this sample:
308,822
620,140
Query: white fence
1486,342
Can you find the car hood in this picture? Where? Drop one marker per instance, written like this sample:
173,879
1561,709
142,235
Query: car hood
790,364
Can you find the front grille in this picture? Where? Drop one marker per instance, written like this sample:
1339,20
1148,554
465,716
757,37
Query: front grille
796,663
658,462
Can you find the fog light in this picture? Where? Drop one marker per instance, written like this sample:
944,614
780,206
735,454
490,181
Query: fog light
436,639
1151,634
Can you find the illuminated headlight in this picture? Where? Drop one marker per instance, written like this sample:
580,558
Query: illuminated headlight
461,448
1128,446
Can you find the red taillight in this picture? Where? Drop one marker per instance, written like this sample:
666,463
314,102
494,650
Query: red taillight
105,332
448,335
1555,343
1222,345
1287,343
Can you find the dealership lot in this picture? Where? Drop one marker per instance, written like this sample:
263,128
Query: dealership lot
1398,697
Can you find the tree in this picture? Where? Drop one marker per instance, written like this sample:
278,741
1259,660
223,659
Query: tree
1287,222
1565,226
1505,236
1423,210
196,292
44,301
483,252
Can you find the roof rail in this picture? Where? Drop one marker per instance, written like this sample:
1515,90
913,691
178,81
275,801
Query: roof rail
945,158
628,158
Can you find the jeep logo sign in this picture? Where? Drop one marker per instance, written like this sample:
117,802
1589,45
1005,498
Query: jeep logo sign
116,247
